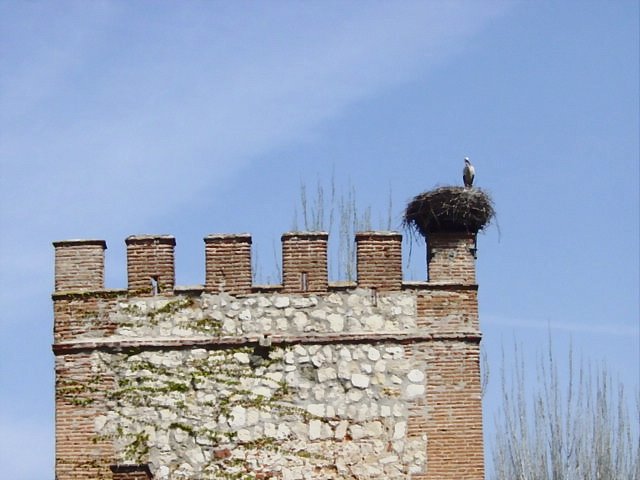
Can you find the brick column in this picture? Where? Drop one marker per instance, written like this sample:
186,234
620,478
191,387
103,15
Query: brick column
379,260
228,263
455,447
451,257
79,265
304,262
150,264
453,396
449,311
80,398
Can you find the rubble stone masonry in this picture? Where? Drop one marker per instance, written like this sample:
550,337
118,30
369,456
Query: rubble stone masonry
376,379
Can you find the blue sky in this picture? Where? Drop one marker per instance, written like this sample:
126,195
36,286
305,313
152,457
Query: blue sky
192,118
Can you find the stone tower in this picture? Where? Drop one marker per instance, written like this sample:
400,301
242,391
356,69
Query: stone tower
374,379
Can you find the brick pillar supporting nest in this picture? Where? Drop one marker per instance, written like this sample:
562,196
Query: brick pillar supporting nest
304,262
228,263
451,258
453,397
449,310
379,260
79,265
454,403
131,472
150,264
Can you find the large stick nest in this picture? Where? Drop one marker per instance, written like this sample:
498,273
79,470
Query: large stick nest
449,209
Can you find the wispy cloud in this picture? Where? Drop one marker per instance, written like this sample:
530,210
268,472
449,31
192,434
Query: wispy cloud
109,104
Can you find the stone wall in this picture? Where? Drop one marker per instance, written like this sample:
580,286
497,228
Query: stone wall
374,380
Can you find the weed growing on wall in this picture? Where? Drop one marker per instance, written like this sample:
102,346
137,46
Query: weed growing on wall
204,397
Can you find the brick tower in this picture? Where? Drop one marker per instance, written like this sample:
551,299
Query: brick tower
374,379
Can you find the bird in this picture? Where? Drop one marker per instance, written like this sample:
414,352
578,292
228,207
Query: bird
468,173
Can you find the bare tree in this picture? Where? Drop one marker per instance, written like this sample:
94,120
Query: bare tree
319,214
573,429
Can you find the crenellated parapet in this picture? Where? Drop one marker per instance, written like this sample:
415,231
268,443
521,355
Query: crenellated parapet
151,263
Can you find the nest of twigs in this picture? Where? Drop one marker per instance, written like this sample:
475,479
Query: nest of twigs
449,209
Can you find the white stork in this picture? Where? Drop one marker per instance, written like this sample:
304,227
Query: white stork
468,173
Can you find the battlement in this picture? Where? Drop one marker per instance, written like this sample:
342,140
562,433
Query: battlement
79,264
